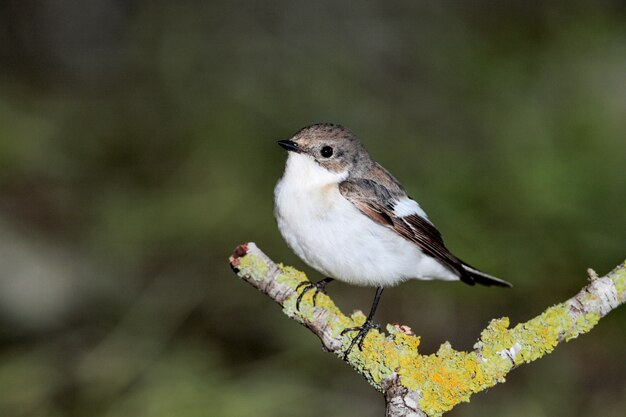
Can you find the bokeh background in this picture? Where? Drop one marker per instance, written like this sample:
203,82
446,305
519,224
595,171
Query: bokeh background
137,149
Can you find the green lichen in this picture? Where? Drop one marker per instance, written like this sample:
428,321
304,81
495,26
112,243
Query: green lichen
307,313
541,334
450,377
375,361
382,355
447,377
496,337
290,276
253,266
494,341
584,323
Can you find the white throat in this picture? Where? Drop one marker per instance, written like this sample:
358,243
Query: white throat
307,173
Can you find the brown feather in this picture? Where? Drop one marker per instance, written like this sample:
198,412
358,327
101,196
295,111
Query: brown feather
367,195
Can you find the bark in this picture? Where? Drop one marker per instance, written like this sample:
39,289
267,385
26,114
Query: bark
419,385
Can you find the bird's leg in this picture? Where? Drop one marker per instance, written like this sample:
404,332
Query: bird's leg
319,286
365,328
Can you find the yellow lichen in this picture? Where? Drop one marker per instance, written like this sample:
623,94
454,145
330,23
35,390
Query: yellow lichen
584,323
450,377
496,337
447,377
254,267
373,360
290,276
307,312
541,334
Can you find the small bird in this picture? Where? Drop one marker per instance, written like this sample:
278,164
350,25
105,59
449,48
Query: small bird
347,217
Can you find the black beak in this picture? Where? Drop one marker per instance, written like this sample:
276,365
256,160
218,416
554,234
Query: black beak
290,145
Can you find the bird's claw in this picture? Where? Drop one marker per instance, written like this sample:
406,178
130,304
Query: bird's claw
360,337
319,287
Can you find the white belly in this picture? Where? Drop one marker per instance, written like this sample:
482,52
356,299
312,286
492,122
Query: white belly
331,235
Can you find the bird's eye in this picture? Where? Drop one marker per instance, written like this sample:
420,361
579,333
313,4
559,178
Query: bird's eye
327,151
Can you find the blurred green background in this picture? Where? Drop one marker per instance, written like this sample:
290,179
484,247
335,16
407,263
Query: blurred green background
137,149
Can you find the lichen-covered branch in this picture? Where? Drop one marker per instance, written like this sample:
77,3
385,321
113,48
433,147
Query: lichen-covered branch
429,385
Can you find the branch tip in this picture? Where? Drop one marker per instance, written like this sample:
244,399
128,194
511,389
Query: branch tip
239,252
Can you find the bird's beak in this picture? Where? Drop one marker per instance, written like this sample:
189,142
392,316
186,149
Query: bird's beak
290,145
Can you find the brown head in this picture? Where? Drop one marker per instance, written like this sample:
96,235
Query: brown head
330,145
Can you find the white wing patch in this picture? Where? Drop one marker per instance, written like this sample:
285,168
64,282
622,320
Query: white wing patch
406,207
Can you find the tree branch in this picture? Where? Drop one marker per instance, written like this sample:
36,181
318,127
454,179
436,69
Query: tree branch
429,385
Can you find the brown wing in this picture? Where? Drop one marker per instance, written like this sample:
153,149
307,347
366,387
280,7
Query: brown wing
377,202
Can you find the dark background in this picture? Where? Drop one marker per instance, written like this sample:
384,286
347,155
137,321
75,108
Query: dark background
137,149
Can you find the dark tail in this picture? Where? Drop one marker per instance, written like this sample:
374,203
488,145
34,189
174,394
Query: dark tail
475,276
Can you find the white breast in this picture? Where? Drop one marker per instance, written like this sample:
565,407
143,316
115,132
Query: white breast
331,235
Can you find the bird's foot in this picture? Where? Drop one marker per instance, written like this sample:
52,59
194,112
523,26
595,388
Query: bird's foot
360,337
319,287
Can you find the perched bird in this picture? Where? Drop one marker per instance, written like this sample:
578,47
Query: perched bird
347,217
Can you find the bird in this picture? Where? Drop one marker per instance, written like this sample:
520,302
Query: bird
350,219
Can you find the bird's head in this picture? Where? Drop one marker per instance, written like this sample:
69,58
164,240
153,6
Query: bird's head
330,145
